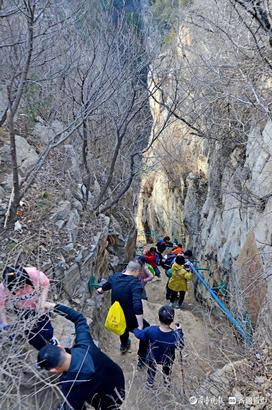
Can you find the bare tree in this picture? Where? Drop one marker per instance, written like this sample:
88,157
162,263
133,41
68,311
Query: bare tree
23,50
99,68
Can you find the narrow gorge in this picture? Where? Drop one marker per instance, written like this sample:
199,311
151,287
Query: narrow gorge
122,122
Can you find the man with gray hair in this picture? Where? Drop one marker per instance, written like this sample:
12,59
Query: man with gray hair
127,290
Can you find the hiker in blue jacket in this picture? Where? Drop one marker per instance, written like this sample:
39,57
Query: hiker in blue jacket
88,375
162,344
127,290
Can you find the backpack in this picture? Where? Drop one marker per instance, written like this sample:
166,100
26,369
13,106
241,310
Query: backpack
151,269
115,320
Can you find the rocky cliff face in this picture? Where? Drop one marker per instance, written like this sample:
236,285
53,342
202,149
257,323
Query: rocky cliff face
71,245
217,201
52,230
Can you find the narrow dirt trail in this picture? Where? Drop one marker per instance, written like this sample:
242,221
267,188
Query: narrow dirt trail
202,353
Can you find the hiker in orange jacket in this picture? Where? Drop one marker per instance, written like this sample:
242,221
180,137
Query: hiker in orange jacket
178,250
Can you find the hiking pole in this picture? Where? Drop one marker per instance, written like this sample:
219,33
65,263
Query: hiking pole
181,360
183,381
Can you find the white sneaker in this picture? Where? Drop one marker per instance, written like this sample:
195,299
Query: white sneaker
180,306
54,341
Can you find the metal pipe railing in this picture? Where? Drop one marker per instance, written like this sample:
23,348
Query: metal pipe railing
221,305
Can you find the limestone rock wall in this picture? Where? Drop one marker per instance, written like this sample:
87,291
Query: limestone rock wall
219,204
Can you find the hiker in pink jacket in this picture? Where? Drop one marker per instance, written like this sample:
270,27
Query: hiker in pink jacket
26,289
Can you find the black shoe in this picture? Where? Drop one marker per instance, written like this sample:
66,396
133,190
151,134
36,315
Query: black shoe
124,349
140,365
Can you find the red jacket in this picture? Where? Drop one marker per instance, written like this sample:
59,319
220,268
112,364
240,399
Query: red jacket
151,258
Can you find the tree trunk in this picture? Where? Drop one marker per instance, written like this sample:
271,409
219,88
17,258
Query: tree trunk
15,177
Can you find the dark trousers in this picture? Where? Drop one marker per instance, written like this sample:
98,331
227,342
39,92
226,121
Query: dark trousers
152,368
143,346
41,332
174,296
168,292
105,400
157,271
160,256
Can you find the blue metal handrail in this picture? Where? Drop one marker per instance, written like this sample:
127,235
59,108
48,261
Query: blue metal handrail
243,333
154,233
221,305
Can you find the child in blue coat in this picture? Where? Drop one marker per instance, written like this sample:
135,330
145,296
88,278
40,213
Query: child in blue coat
163,341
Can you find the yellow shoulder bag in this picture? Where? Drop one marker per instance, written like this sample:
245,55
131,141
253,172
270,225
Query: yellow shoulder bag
115,320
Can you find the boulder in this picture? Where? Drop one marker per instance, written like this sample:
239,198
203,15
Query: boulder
62,212
72,164
26,158
44,133
72,224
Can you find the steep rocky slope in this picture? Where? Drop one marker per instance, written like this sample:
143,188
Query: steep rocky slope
69,244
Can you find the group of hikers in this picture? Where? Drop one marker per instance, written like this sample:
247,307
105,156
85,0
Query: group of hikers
177,269
87,374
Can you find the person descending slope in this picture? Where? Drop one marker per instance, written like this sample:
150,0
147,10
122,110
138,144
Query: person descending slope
178,250
88,375
153,259
161,245
127,290
164,243
162,344
178,280
170,261
27,288
145,275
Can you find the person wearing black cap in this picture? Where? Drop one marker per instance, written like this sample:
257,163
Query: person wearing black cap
163,341
88,374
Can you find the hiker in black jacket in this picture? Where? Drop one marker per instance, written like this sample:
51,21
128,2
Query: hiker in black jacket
88,375
127,290
162,244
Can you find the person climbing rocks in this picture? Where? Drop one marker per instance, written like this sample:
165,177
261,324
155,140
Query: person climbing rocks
26,288
164,243
145,275
127,290
178,250
153,259
88,374
178,280
163,341
161,245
